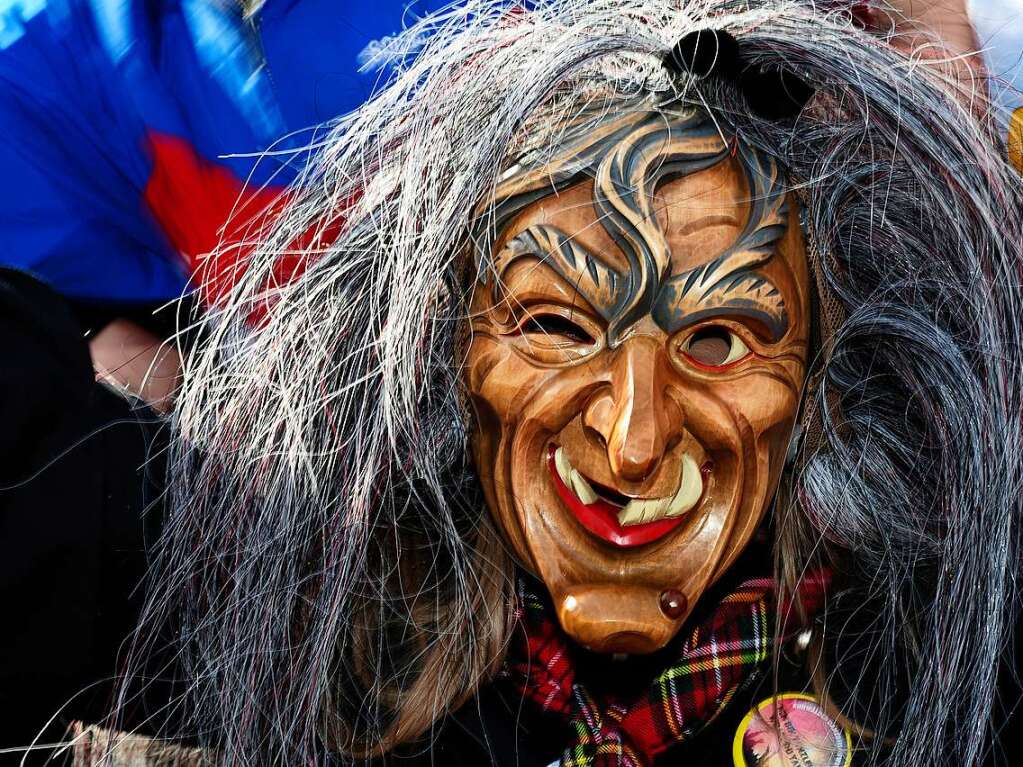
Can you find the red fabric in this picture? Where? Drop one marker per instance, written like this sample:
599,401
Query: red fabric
716,659
199,205
205,209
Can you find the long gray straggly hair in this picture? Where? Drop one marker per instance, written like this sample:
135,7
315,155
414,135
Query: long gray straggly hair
327,564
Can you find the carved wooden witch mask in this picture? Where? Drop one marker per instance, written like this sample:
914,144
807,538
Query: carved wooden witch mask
637,353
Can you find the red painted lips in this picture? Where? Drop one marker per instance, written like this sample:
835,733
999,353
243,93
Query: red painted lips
600,518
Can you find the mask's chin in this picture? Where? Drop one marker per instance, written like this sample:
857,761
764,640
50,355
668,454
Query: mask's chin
612,598
616,618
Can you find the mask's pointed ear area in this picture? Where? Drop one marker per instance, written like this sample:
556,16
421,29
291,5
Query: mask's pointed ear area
772,94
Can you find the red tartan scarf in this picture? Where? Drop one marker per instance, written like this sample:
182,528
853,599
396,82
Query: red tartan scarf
719,657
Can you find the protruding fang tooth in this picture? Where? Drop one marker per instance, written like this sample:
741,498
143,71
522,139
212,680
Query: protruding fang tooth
637,511
582,488
573,479
690,489
563,466
631,514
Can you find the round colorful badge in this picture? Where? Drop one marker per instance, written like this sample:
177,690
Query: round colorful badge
791,730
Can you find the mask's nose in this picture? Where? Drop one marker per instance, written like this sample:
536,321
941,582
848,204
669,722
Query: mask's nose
635,417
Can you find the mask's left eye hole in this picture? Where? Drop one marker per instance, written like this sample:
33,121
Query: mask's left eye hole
555,325
715,346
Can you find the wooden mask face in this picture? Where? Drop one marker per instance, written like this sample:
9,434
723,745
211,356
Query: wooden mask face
635,363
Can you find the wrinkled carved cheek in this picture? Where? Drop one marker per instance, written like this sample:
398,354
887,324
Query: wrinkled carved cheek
771,449
741,425
772,426
765,434
729,442
500,383
483,355
519,392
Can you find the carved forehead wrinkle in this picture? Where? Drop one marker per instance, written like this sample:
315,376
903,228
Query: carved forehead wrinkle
733,281
701,215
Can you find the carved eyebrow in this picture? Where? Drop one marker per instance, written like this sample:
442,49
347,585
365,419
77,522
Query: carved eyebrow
728,285
626,160
731,283
598,282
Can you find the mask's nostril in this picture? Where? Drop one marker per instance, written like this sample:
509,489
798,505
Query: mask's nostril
673,440
598,419
634,461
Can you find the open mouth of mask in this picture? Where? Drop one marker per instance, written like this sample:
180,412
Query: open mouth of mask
618,518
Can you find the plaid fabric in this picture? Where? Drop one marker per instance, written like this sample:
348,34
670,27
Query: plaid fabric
717,659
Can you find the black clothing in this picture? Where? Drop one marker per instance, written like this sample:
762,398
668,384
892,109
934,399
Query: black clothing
76,459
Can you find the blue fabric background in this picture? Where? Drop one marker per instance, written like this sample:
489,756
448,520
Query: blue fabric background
83,80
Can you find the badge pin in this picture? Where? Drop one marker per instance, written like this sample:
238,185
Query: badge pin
791,730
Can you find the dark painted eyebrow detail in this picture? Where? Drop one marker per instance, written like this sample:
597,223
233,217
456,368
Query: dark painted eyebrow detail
700,294
623,193
626,156
599,283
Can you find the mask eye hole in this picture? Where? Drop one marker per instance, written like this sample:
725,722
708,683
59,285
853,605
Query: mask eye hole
555,325
715,347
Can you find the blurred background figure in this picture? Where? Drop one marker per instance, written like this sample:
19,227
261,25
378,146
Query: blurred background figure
985,34
998,25
131,128
130,131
